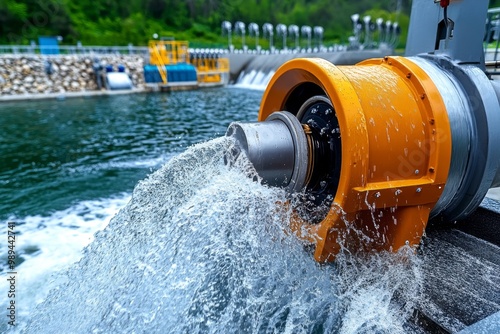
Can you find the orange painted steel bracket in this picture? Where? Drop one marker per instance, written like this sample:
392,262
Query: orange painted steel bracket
395,149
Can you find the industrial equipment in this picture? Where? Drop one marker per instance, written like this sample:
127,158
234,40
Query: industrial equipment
388,143
172,64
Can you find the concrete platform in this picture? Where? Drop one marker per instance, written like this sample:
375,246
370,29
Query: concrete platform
179,86
28,97
461,270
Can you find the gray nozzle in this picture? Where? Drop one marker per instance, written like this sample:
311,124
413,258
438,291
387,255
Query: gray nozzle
278,149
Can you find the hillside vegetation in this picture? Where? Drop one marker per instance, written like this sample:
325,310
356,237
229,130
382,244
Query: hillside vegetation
114,22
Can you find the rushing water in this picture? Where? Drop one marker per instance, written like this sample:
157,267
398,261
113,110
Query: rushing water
200,247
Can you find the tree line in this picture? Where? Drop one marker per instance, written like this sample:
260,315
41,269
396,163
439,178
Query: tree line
112,22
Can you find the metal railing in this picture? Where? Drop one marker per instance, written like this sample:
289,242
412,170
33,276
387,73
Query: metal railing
155,58
74,50
210,70
168,52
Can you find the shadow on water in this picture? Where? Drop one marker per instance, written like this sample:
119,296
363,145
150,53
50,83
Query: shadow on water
201,248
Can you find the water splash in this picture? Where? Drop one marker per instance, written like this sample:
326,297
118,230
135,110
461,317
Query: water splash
49,244
378,292
254,79
202,248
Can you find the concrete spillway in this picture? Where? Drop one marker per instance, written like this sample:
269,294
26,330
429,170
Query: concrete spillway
242,64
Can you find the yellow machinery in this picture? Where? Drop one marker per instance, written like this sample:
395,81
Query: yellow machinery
166,54
385,144
211,70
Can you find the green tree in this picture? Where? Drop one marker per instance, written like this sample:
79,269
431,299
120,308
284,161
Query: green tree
134,21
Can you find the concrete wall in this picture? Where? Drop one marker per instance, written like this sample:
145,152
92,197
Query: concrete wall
238,62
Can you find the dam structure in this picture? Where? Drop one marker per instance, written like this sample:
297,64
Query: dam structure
47,71
255,70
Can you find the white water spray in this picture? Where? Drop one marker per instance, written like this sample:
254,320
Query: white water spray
202,248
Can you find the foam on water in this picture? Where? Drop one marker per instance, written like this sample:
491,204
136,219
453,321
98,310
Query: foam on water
125,164
202,248
255,79
48,244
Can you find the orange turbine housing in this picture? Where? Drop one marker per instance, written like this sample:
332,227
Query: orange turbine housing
382,145
395,149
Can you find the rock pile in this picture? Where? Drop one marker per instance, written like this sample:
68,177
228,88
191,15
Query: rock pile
35,74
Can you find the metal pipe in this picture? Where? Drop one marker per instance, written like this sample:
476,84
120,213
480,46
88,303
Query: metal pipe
277,148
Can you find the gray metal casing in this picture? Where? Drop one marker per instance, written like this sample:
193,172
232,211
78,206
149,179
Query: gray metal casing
466,44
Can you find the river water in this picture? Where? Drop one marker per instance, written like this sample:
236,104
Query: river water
197,247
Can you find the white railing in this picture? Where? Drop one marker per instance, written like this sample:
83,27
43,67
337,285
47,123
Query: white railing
74,50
